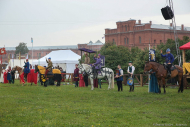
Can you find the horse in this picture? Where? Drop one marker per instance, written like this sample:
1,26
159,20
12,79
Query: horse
104,72
161,74
55,74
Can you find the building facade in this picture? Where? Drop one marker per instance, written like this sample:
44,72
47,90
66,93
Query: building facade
131,33
41,51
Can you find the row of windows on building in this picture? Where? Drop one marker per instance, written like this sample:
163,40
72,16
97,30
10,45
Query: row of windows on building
126,41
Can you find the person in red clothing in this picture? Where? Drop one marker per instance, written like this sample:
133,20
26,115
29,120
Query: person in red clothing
5,77
76,75
81,81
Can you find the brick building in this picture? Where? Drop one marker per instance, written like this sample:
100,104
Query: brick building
131,33
40,51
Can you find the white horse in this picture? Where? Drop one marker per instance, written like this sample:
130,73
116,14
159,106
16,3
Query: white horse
105,72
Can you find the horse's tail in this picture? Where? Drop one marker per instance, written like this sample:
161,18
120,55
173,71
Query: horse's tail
112,80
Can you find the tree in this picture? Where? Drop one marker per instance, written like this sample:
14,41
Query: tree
22,48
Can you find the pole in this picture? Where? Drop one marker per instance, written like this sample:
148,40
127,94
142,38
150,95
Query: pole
149,74
32,51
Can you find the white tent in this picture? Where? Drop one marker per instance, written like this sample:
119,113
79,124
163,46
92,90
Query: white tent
64,58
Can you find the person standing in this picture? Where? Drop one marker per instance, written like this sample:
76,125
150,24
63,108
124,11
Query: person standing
50,65
169,60
9,75
81,81
87,59
2,73
119,78
85,78
76,75
13,75
131,70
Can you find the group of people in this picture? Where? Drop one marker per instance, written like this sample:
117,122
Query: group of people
7,76
119,76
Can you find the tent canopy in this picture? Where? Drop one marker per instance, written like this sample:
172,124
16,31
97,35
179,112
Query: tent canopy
185,46
59,56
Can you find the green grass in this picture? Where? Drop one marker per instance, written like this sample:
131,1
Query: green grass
69,106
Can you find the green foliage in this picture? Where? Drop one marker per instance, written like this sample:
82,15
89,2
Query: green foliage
22,48
67,106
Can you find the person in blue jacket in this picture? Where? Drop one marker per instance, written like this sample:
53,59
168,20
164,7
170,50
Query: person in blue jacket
26,68
169,60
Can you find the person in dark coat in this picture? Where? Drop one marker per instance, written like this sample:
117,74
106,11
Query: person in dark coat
76,75
119,78
85,78
26,69
13,75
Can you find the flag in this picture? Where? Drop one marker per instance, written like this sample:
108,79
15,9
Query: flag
31,40
13,57
8,59
2,51
19,55
1,60
103,37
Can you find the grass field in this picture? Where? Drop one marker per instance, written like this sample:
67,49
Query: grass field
69,106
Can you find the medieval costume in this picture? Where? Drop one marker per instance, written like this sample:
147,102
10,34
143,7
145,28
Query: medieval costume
26,69
76,75
96,66
86,59
119,78
9,75
5,77
81,81
50,65
32,77
13,76
85,75
2,73
169,60
131,70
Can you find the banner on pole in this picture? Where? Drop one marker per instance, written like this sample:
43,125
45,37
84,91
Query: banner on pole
102,61
31,40
152,55
2,51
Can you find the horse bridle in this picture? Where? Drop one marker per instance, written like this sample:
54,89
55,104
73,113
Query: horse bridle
88,73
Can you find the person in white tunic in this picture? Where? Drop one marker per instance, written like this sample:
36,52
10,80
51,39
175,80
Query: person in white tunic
1,77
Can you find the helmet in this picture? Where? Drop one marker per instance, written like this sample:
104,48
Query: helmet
168,50
49,58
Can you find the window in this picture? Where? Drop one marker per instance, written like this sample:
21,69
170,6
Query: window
160,41
39,55
28,56
46,53
113,40
127,40
126,28
154,41
139,39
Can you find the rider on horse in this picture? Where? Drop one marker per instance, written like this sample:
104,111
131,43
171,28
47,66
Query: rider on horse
50,65
169,60
96,66
26,68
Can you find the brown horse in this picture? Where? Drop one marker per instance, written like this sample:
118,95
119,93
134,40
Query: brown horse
161,74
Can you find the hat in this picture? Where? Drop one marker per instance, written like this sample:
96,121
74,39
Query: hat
168,50
49,58
76,64
99,54
130,62
26,59
44,66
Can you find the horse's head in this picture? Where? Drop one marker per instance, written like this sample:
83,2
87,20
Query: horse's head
36,69
81,68
147,67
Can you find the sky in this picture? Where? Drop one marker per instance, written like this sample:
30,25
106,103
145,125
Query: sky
70,22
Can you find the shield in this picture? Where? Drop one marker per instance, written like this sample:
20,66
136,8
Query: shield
130,81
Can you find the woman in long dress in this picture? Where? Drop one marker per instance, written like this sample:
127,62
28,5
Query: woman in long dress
1,77
81,81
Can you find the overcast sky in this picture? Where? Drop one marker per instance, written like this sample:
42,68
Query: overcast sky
69,22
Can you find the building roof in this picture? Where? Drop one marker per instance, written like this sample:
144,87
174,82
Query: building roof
160,26
98,42
46,47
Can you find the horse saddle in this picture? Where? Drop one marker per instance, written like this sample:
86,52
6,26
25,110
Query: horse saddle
172,68
50,72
